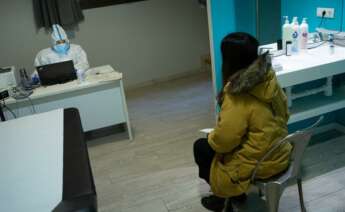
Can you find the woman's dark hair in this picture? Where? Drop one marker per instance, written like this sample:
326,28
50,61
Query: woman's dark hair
239,50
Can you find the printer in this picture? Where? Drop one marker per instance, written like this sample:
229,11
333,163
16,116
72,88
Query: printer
7,81
7,77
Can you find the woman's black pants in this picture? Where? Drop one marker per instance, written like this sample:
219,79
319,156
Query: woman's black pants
203,156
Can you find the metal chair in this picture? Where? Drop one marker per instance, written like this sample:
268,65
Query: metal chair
273,187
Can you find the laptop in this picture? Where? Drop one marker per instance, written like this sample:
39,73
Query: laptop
56,73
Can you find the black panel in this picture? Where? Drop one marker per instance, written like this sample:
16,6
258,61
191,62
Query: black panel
88,4
79,191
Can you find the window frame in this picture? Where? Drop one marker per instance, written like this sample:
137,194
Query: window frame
89,4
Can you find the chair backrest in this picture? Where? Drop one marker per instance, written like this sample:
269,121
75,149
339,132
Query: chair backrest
300,141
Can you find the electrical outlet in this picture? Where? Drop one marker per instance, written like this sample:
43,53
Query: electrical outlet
329,12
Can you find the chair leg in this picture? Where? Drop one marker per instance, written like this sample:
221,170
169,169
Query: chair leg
273,193
260,193
300,192
227,204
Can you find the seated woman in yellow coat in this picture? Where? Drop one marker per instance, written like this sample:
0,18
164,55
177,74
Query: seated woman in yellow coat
253,117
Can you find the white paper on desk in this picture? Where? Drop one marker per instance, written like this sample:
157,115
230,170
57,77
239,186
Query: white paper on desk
207,130
100,70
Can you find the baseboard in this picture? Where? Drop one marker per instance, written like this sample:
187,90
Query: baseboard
327,133
163,79
328,127
103,132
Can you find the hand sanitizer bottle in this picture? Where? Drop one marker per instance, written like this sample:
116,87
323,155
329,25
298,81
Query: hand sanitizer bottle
80,76
304,34
295,36
287,32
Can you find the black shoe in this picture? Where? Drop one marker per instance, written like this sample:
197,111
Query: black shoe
213,203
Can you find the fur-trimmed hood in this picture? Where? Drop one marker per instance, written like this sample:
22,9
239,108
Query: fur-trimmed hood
258,80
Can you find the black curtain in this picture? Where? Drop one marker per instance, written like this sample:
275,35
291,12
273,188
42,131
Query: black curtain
66,13
202,2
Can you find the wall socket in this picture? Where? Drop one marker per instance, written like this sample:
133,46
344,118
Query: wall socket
329,12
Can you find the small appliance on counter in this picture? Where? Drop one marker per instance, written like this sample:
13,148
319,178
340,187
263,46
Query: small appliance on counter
7,77
7,81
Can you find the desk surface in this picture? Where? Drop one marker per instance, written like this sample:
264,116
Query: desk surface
31,162
97,76
310,65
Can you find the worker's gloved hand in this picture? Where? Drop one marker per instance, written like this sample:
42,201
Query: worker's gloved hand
35,80
80,75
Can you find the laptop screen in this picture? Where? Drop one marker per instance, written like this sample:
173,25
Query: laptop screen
56,73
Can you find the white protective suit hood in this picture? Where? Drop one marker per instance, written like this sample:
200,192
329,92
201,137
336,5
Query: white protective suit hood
55,55
58,34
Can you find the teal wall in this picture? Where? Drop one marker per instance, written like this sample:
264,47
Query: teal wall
223,23
307,8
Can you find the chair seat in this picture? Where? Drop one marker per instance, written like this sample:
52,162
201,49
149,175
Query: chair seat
282,177
271,179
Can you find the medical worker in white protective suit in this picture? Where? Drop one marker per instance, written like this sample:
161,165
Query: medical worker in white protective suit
62,50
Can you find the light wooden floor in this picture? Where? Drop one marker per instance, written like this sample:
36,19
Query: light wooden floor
156,172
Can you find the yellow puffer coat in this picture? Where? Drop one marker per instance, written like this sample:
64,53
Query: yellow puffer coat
253,117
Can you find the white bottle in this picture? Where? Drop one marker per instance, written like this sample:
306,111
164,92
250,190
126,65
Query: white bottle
295,36
80,76
304,34
287,32
331,43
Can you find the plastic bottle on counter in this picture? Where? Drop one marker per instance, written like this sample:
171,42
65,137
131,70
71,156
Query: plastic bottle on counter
304,34
295,36
287,32
331,43
81,76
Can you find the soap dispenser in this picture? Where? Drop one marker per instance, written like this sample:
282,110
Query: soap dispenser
304,34
287,32
295,35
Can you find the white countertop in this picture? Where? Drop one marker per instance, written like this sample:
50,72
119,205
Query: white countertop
310,58
309,65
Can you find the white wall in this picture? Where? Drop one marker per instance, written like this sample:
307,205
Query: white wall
146,40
